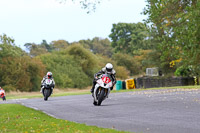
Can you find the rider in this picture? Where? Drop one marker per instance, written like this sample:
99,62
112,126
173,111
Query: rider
49,75
108,69
1,88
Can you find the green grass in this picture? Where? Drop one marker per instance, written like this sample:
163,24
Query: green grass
20,119
14,96
16,118
18,96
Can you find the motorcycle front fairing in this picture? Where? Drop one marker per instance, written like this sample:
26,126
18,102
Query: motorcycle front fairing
2,93
48,83
101,84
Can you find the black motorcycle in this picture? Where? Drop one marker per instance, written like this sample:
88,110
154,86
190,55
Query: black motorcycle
47,88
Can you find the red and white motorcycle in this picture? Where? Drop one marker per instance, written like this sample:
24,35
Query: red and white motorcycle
102,89
2,94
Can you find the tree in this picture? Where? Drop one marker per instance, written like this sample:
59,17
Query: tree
45,45
89,5
85,58
129,37
17,70
38,49
175,26
128,62
59,45
35,49
8,47
72,67
21,73
98,46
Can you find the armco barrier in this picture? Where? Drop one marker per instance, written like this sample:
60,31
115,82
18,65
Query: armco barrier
151,82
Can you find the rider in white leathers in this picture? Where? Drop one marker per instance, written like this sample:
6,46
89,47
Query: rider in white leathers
108,69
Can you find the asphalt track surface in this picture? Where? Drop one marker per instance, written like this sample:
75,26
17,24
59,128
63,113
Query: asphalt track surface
150,111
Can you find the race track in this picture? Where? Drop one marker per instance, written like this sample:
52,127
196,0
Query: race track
150,111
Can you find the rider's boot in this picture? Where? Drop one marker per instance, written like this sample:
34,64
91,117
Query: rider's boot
92,90
111,88
41,89
52,90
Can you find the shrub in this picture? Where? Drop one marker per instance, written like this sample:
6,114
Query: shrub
23,73
9,88
67,70
127,61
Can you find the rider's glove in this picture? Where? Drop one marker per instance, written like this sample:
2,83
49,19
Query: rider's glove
96,78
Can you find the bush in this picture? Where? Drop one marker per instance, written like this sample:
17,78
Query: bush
23,73
127,61
9,88
84,57
71,68
183,71
122,72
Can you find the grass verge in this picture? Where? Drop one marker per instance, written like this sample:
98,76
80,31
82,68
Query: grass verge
39,95
16,118
14,95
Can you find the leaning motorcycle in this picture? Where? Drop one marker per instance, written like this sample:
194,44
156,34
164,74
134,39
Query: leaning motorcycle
47,88
102,89
2,94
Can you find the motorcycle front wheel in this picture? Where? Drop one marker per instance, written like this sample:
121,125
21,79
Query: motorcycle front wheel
46,93
101,97
95,103
4,98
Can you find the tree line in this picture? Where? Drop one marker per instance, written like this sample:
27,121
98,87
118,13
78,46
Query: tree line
168,39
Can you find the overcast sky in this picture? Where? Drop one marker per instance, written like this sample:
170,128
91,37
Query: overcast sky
31,21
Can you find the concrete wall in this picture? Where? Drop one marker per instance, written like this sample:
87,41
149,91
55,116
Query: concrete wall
151,82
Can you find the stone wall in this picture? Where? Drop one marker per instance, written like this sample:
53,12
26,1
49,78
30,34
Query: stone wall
152,82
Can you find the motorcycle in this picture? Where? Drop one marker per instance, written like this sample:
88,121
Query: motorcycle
47,88
102,89
2,94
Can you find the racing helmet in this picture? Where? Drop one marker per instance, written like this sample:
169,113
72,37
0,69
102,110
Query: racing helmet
49,74
109,67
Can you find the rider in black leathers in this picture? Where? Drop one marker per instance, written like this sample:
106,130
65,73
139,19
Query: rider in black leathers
49,75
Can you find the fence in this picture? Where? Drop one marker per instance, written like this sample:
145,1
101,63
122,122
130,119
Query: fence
151,82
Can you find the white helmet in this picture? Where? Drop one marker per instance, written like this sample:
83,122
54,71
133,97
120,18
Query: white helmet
109,67
49,74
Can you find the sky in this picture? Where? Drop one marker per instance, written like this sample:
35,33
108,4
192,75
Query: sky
31,21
